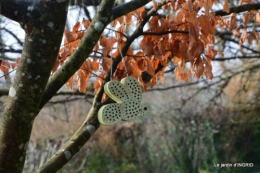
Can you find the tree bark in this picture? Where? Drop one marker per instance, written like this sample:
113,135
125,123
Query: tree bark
44,25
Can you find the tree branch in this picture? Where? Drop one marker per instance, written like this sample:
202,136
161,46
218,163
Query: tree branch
165,32
85,2
4,92
127,7
236,57
100,21
10,50
13,35
238,9
234,41
221,78
38,57
15,10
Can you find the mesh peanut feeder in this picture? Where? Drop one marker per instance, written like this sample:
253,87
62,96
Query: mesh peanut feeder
128,95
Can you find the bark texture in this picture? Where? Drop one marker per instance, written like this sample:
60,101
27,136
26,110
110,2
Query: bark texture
44,24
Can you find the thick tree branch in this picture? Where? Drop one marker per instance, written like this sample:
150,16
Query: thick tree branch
85,2
238,9
14,10
127,7
44,31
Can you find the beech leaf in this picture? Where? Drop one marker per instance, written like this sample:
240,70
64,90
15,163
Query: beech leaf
225,6
243,36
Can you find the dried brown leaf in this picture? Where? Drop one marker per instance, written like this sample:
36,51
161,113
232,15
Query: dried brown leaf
205,24
198,67
155,62
149,66
211,52
139,13
257,17
4,67
233,21
152,82
82,79
128,19
14,64
106,62
95,65
250,39
208,70
189,5
69,83
176,73
155,6
207,6
68,37
154,25
236,31
225,6
113,23
99,81
196,48
246,18
243,37
241,2
76,27
161,45
147,45
86,23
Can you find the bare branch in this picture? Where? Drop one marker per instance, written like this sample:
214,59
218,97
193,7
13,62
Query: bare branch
85,2
10,50
220,79
127,7
13,35
236,57
238,9
165,32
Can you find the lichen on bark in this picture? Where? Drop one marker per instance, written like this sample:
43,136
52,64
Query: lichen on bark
33,73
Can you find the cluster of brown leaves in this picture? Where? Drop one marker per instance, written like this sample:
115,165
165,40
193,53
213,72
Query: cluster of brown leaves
240,31
156,50
71,41
194,47
184,47
5,66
